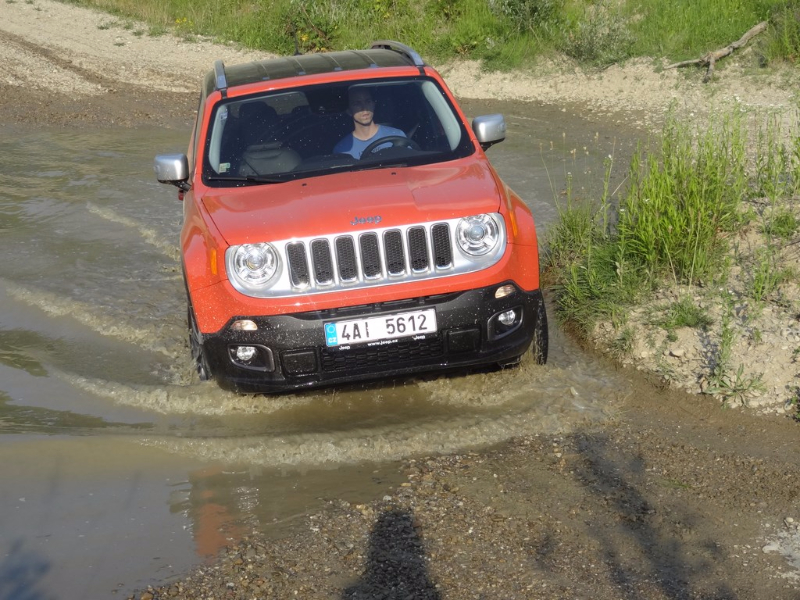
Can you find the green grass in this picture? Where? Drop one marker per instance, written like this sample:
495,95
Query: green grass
502,33
684,313
683,198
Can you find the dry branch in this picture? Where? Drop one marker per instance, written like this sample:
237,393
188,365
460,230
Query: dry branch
712,57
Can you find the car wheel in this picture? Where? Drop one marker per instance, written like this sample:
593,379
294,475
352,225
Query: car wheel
540,336
196,346
538,347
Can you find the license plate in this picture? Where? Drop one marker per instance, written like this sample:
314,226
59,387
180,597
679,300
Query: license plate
377,329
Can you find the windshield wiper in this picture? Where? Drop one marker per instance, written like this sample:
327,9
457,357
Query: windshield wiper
380,165
247,178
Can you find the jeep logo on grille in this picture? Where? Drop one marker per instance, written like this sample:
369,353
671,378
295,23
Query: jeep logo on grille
365,220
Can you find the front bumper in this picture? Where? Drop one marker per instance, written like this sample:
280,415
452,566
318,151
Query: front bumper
291,352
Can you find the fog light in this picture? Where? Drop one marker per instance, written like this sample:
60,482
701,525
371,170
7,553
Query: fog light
504,290
507,318
245,353
244,325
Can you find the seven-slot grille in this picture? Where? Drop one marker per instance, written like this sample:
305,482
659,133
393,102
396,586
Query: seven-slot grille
370,256
377,257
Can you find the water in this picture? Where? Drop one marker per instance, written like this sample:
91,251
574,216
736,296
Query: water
118,468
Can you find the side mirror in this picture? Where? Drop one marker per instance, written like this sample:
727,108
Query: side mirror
489,129
172,169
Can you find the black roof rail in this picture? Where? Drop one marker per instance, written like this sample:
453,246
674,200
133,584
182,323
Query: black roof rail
220,81
406,51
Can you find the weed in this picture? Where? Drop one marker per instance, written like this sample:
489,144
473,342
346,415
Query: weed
775,162
767,274
622,345
735,387
793,404
685,313
782,224
723,382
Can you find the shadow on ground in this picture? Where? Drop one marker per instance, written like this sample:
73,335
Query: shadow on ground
396,564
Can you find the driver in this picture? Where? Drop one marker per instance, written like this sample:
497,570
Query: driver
361,106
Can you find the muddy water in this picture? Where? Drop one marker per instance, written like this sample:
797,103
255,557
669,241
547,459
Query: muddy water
117,467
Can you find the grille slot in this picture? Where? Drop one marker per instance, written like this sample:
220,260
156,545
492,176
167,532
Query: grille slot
346,255
418,249
298,266
442,251
393,246
370,255
323,265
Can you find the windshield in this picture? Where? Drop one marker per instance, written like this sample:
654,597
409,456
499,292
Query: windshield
309,131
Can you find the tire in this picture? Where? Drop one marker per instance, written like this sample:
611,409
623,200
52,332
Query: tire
539,345
196,346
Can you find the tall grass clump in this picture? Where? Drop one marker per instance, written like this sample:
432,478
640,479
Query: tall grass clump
596,34
782,41
682,199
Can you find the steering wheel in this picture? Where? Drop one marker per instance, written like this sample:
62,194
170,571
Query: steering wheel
395,141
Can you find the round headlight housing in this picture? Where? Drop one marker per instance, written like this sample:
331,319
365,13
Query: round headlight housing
255,264
477,235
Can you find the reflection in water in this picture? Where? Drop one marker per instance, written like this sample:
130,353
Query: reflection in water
209,506
20,573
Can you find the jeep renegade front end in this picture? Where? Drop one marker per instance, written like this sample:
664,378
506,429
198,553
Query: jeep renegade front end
306,264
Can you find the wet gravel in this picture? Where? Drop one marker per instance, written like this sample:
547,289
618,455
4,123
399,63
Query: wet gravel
673,499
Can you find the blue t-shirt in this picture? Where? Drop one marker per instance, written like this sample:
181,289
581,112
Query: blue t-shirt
353,146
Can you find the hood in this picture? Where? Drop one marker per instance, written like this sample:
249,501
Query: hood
352,202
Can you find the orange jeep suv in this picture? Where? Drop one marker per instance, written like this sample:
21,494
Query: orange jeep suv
341,222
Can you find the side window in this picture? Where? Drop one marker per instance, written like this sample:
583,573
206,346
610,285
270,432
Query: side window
447,122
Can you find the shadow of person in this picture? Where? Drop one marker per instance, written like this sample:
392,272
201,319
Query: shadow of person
20,573
396,568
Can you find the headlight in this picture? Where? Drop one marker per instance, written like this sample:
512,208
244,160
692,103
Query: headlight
477,235
255,264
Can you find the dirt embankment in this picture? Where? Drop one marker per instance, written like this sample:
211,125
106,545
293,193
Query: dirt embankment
673,499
